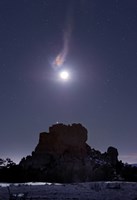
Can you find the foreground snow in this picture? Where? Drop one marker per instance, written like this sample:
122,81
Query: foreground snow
79,191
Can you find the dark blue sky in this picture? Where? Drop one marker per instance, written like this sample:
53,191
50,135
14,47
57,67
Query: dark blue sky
102,59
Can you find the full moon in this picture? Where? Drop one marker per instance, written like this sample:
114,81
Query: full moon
64,75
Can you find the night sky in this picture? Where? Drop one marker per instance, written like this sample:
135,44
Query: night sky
101,92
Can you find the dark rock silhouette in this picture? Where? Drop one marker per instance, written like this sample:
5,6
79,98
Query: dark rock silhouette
63,139
112,155
62,155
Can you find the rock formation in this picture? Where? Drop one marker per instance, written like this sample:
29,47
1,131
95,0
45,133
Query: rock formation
62,155
63,139
112,155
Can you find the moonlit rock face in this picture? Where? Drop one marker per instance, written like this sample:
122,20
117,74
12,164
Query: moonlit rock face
64,75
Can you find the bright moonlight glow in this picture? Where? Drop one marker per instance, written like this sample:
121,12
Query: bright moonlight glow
64,75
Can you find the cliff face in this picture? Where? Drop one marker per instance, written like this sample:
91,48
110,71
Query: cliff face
63,139
62,155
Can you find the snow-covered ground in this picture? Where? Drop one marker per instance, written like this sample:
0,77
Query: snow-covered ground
79,191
